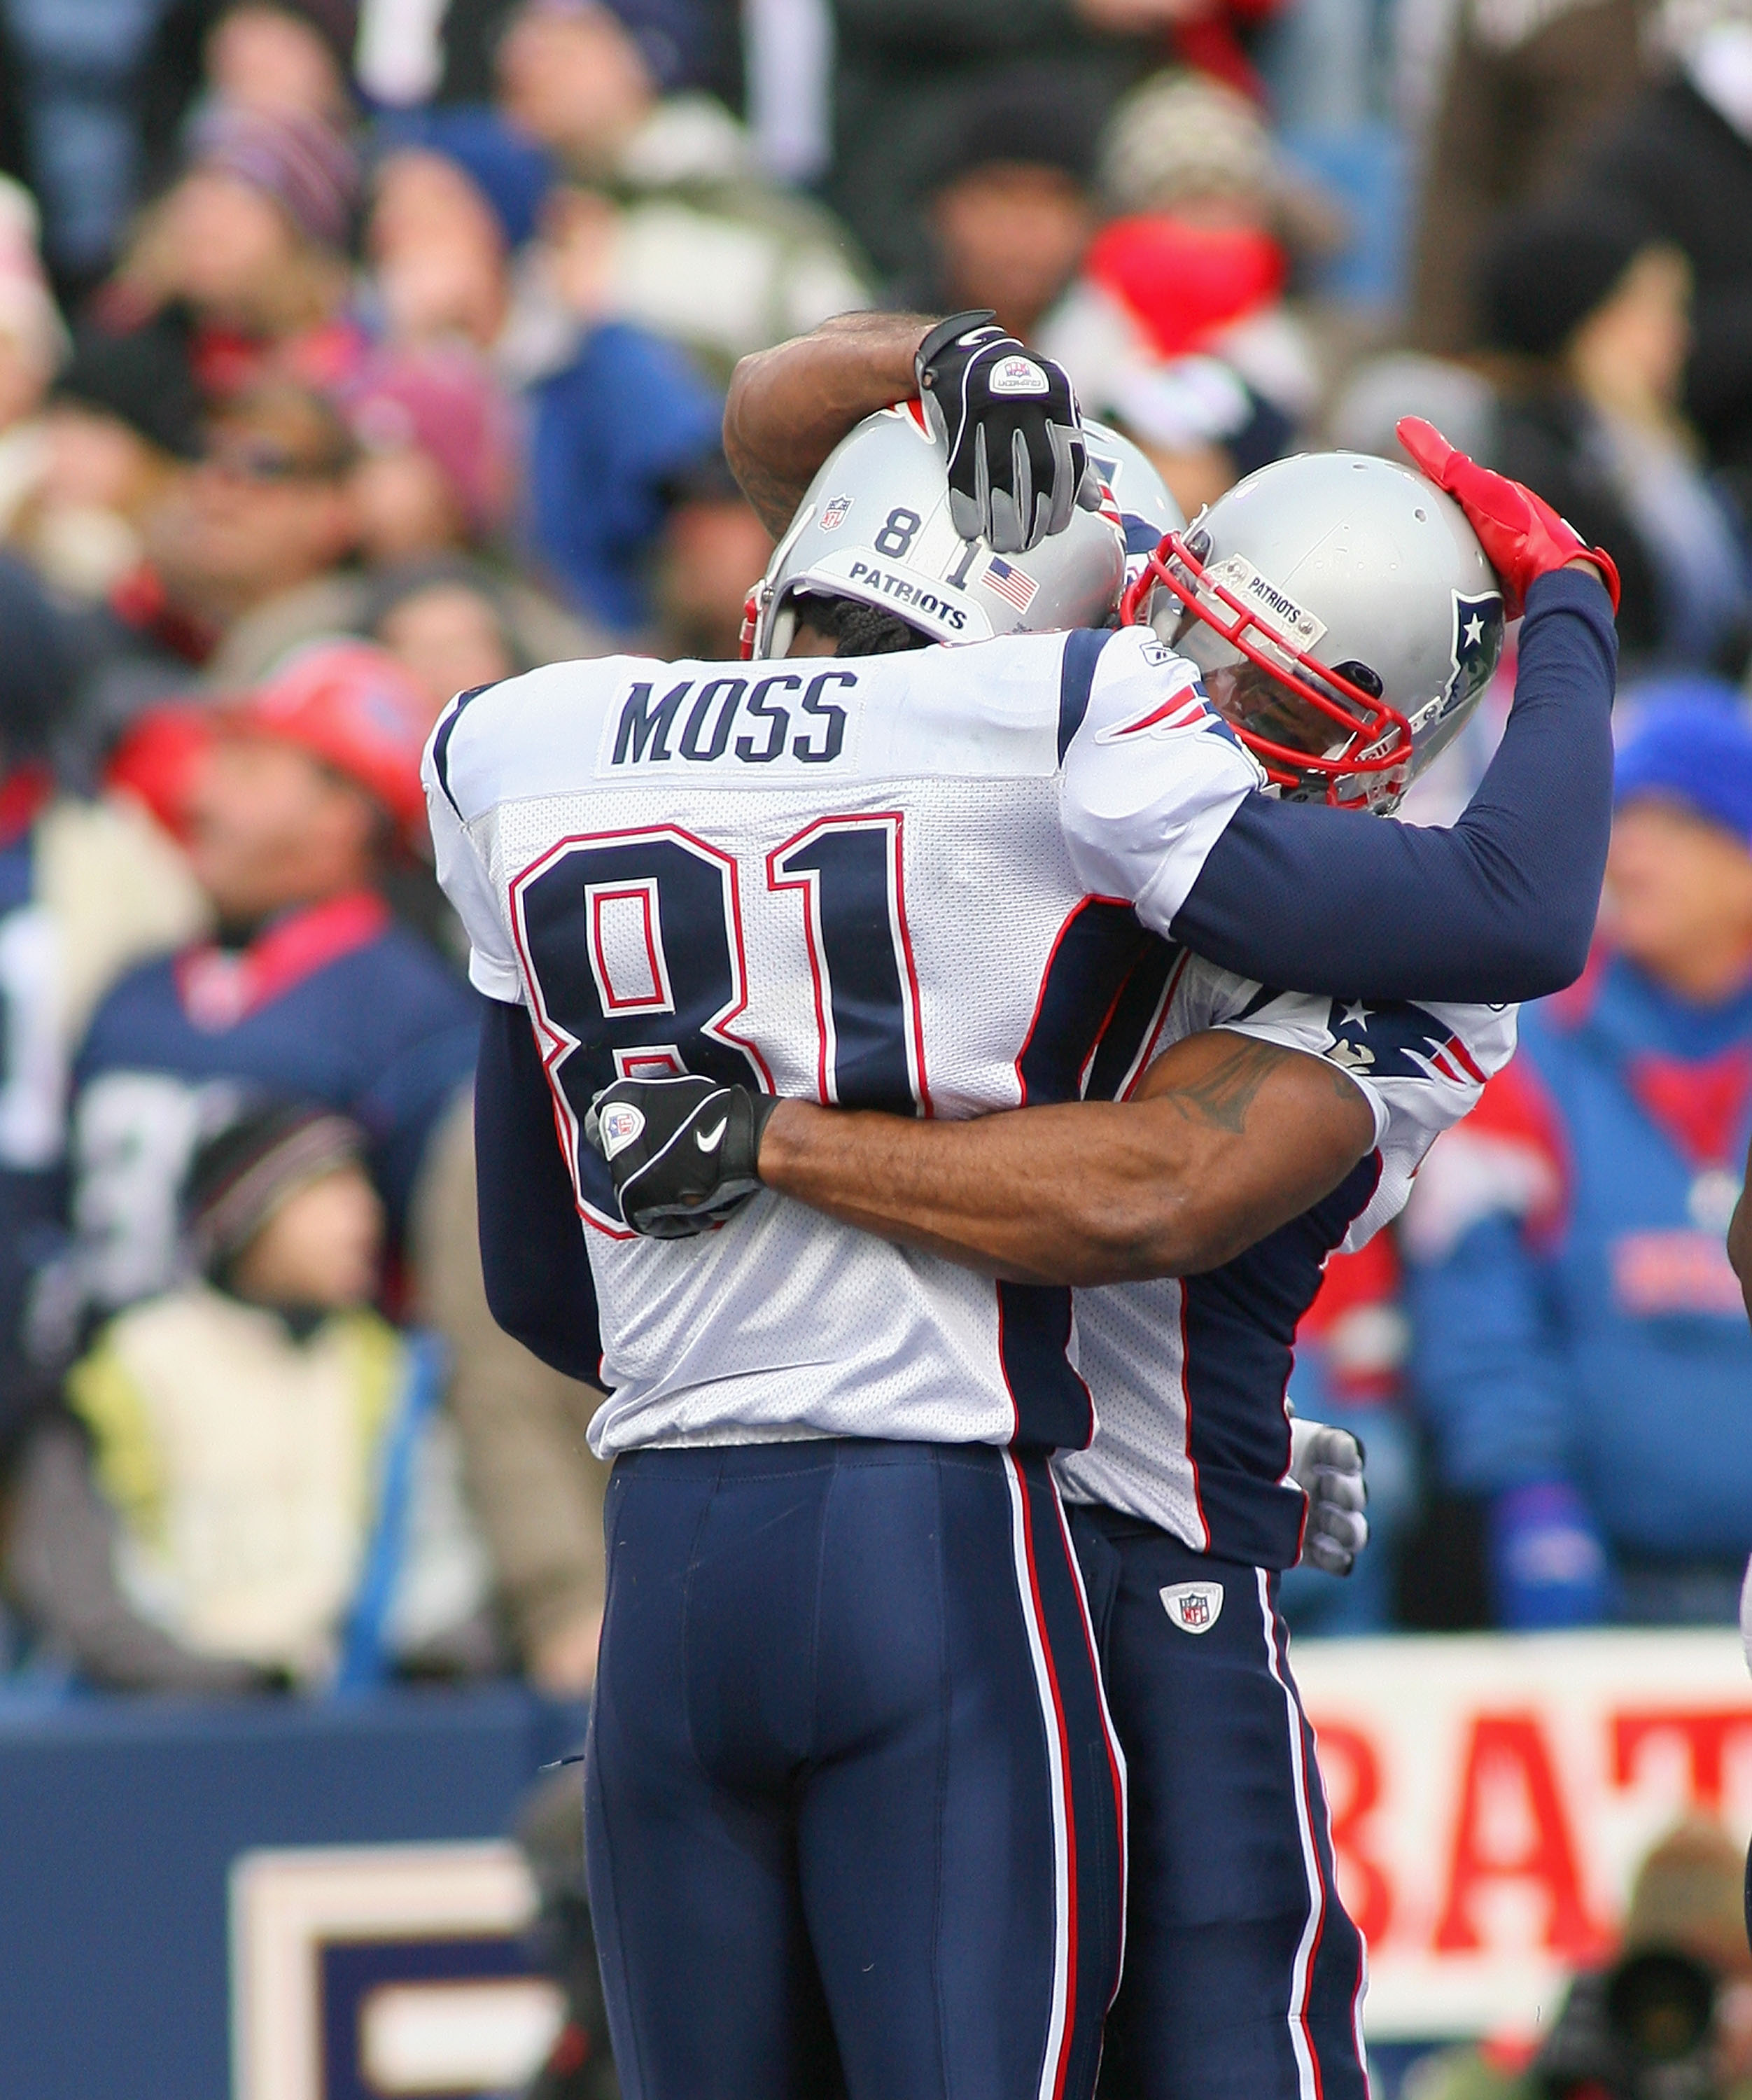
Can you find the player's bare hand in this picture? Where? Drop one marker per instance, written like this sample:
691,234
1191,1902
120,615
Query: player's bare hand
1018,463
1327,1465
1523,537
682,1153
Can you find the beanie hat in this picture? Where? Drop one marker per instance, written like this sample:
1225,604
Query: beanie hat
443,401
667,32
143,378
1184,134
1547,272
1031,114
240,1177
1696,750
512,173
302,163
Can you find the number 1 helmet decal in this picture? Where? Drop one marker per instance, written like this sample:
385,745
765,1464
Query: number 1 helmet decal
874,527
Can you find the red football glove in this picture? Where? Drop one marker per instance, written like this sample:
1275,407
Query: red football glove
1522,535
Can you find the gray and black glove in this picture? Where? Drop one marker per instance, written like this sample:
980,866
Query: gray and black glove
682,1153
1018,462
1327,1465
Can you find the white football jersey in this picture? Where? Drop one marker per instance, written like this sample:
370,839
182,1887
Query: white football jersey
1189,1374
904,882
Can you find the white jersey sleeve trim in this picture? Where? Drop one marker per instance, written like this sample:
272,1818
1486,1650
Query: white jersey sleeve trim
463,876
1150,779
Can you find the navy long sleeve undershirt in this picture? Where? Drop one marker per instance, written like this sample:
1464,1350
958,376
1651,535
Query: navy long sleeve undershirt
1500,907
533,1258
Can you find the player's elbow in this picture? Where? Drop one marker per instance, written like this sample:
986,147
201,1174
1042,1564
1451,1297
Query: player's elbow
1554,954
1142,1235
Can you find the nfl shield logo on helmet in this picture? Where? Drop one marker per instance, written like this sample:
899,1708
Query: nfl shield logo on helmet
1195,1607
621,1123
833,517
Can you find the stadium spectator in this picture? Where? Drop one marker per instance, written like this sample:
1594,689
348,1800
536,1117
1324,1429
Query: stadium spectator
255,1487
1178,329
456,624
239,554
700,247
121,423
906,78
87,888
1007,202
455,196
308,988
608,429
1525,87
1685,1931
250,246
437,469
1595,316
1582,1350
67,126
1205,221
714,550
276,55
1680,158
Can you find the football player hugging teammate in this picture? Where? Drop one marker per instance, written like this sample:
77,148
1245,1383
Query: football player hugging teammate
927,1063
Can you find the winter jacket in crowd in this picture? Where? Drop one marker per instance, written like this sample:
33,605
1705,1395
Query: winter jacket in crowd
1582,1350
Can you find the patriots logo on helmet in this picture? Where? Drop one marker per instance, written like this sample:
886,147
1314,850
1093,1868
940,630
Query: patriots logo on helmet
1477,644
1398,1041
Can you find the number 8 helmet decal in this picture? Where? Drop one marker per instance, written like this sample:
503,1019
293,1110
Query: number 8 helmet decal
1342,615
874,527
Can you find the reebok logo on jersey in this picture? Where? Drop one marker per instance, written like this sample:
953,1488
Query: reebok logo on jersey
709,1140
1193,1607
621,1123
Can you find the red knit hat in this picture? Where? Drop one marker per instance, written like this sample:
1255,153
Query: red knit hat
353,706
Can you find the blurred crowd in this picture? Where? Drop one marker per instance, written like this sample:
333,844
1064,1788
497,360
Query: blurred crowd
352,356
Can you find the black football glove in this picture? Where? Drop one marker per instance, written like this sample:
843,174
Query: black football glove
681,1152
1018,463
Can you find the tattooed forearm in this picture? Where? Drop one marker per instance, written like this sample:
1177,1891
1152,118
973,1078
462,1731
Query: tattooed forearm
1222,1096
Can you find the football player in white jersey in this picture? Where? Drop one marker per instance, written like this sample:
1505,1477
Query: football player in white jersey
1244,1974
814,1740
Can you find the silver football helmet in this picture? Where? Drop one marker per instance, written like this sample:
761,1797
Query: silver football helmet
1141,494
1344,617
874,527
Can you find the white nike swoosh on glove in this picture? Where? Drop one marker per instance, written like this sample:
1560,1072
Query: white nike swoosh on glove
712,1142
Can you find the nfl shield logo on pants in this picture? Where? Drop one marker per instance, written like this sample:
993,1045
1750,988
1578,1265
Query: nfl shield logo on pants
1195,1607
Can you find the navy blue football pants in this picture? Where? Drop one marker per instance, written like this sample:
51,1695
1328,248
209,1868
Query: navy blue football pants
1244,1975
853,1809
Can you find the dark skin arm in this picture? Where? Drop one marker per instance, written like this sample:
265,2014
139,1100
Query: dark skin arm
1740,1237
788,407
1227,1139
